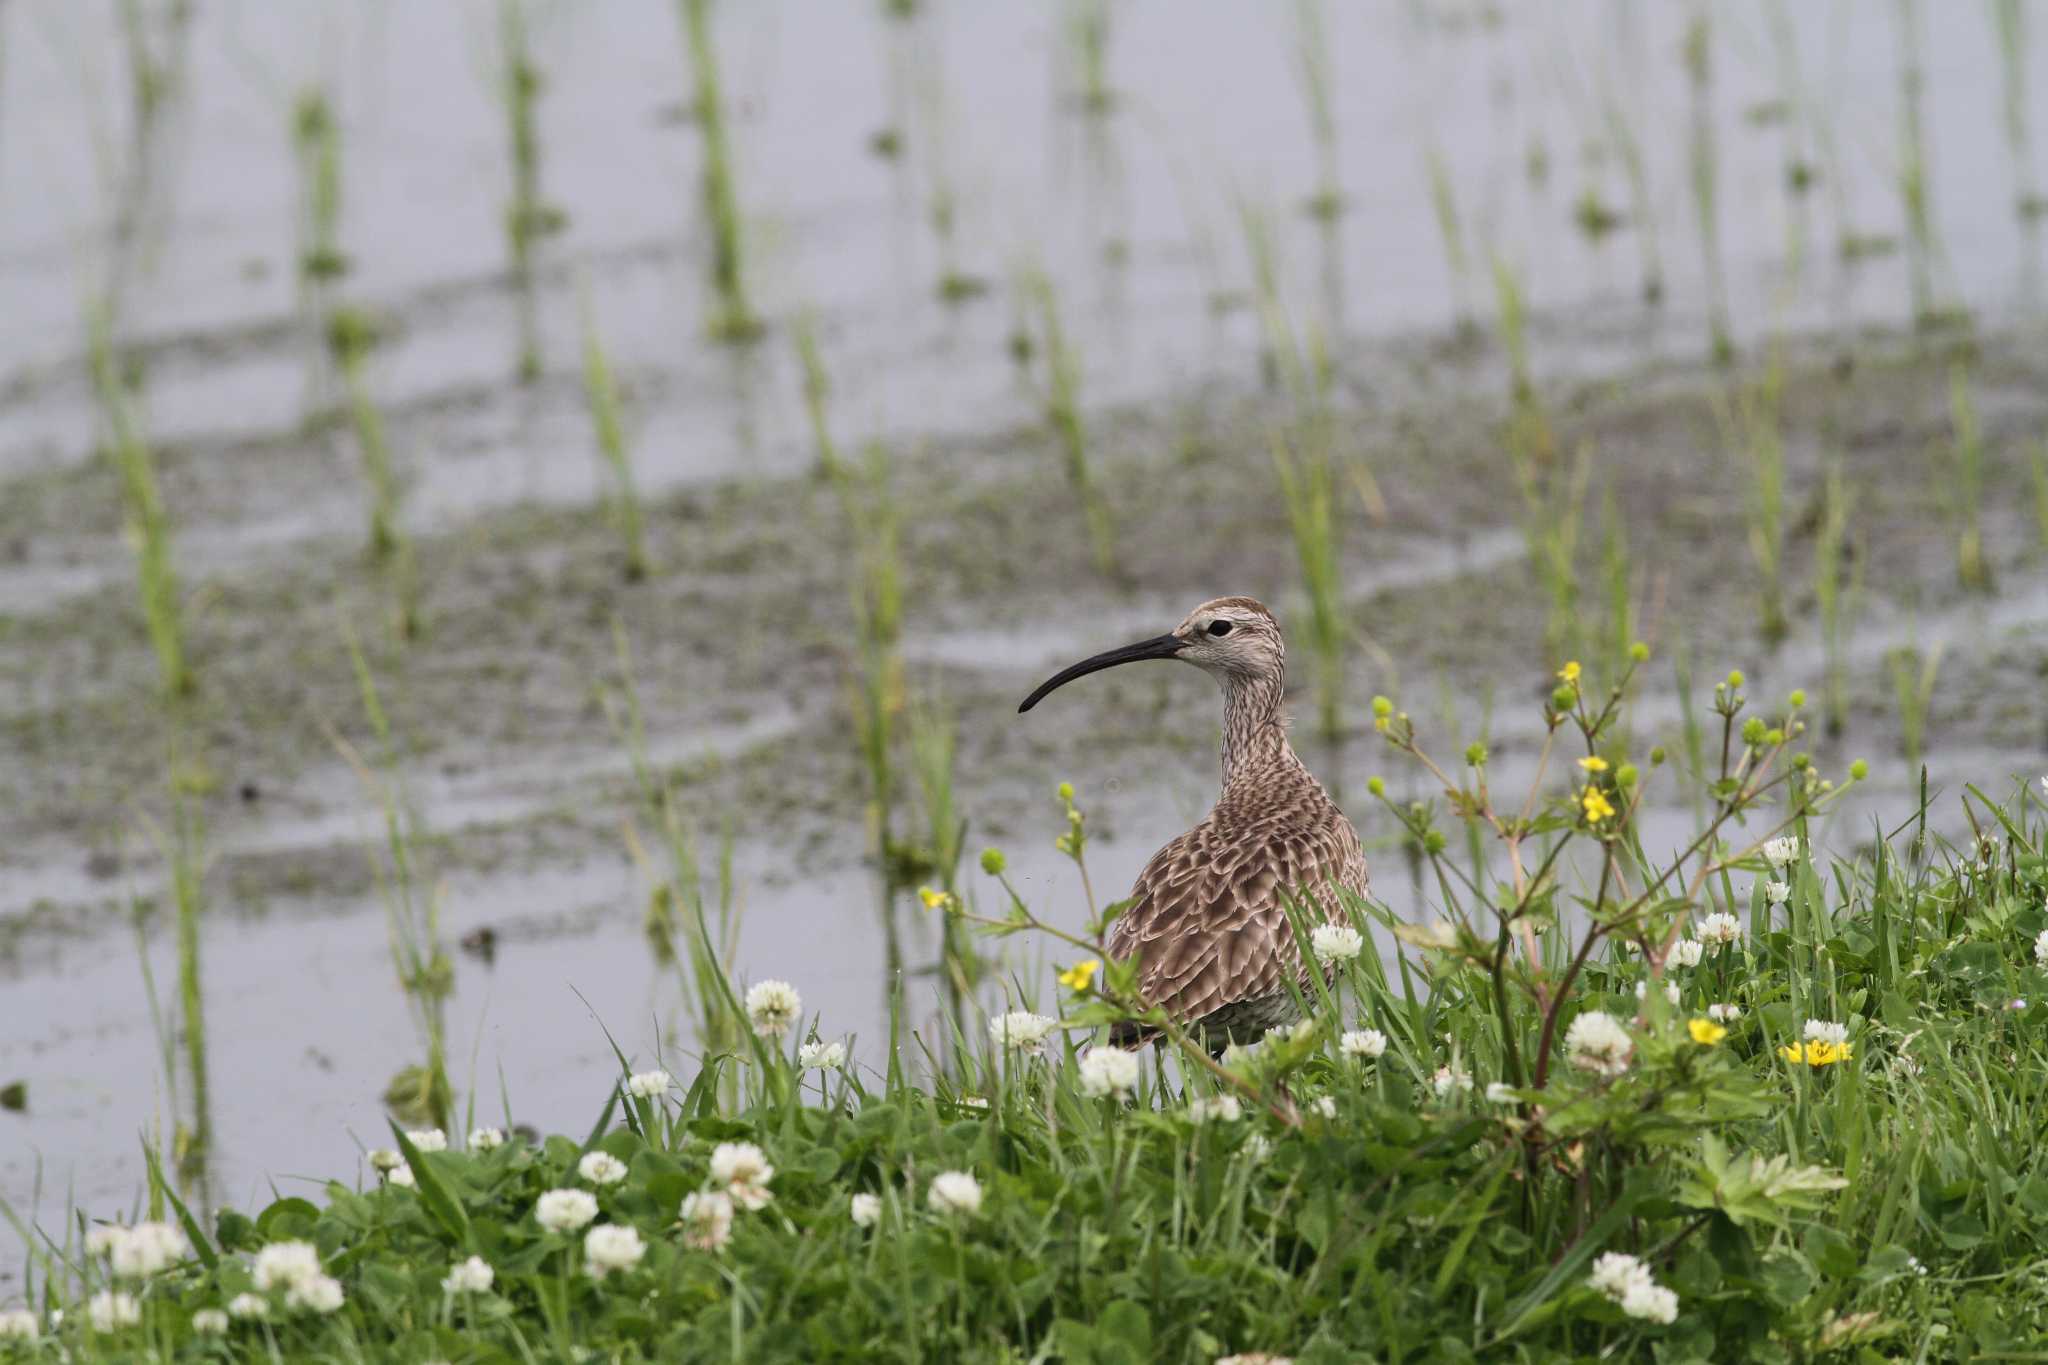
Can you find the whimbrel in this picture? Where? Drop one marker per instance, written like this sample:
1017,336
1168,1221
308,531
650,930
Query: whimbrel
1207,917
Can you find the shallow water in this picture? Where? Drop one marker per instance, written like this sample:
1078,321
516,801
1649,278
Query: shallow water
1134,216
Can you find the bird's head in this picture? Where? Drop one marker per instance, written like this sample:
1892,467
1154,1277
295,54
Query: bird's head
1234,639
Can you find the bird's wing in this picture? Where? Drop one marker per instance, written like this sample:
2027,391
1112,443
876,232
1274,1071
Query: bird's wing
1206,916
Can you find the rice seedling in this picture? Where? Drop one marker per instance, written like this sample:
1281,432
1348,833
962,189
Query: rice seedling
1617,580
817,395
933,750
316,148
1061,398
148,523
601,395
1088,35
1621,131
182,849
1312,63
735,319
1443,198
420,1093
1912,157
1750,420
528,217
351,337
1914,673
1831,593
876,671
2010,19
1704,158
1959,483
2038,466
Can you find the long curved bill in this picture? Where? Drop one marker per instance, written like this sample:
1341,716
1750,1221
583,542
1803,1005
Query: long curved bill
1159,647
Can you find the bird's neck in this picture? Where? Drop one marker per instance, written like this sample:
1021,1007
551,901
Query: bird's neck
1254,727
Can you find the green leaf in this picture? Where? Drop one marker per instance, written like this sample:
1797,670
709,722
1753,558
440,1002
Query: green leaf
433,1191
203,1248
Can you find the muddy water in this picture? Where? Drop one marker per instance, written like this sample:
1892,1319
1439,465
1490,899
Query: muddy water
740,639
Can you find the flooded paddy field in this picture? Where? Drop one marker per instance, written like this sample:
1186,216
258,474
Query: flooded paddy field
1785,430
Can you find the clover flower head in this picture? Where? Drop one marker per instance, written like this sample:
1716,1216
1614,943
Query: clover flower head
403,1178
1650,1301
1777,892
1724,1013
647,1085
1719,928
611,1247
1216,1108
867,1210
383,1160
820,1056
741,1169
248,1307
1450,1080
428,1139
210,1322
1335,942
565,1210
1363,1042
1615,1271
1596,1041
486,1139
773,1008
136,1253
707,1219
19,1324
112,1309
316,1294
2041,948
954,1192
1671,992
1500,1092
1687,952
1825,1031
473,1276
284,1264
1109,1071
1020,1029
1324,1106
1782,852
601,1168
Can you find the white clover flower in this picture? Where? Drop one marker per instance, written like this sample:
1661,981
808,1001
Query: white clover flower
1109,1071
1596,1041
773,1008
473,1276
141,1251
1650,1301
101,1237
384,1161
19,1324
601,1168
1257,1147
402,1177
283,1264
1363,1042
821,1056
954,1192
867,1210
248,1307
210,1322
428,1139
565,1210
1335,942
1719,928
1782,852
648,1084
112,1309
2041,948
1615,1271
1723,1013
1221,1108
1825,1031
1449,1079
316,1294
1020,1029
1670,991
742,1170
611,1246
707,1219
486,1139
1500,1092
1777,893
1254,1358
1324,1105
1687,952
2019,1004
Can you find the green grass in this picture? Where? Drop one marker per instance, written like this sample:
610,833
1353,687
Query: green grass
1704,159
1751,424
1446,1199
1959,483
735,319
1061,400
528,217
316,146
601,395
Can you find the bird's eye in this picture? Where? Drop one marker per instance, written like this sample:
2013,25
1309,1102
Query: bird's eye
1219,627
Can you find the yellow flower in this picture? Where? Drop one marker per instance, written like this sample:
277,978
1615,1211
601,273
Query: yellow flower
1706,1032
1570,672
1597,808
1077,977
1593,763
935,899
1818,1053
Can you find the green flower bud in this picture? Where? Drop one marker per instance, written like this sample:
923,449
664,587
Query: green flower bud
1625,776
1734,678
1657,757
1798,697
1475,755
1066,791
993,862
1377,786
1858,770
1639,652
1382,707
1434,840
1773,738
1753,731
1563,697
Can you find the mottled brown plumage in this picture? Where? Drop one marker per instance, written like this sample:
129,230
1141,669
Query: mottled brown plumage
1207,918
